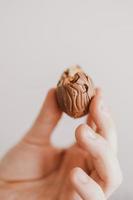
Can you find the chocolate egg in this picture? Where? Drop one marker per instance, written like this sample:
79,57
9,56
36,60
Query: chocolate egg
75,91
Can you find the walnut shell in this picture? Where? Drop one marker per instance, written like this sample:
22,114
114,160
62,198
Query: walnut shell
74,92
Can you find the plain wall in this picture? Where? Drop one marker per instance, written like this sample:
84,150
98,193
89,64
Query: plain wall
39,38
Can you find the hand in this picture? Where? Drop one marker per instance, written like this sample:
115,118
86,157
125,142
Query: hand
35,170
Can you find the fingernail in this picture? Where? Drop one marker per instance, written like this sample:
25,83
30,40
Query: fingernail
82,177
91,135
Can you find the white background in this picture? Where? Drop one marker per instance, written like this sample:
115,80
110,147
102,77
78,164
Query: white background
38,38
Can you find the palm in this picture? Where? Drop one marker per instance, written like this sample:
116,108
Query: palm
54,182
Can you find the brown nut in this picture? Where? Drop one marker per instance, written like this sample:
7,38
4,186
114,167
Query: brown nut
74,92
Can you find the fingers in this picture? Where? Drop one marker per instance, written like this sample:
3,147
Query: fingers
85,186
108,173
101,116
46,121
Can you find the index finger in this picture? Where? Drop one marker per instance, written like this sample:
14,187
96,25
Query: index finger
103,119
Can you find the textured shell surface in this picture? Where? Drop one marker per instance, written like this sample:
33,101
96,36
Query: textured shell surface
74,92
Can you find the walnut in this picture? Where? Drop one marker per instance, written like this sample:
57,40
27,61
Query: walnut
75,91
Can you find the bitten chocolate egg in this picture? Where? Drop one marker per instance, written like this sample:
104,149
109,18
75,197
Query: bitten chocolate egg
75,91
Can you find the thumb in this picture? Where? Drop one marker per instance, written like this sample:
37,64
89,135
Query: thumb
30,158
46,121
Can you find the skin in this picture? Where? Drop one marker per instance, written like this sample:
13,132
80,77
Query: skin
88,170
